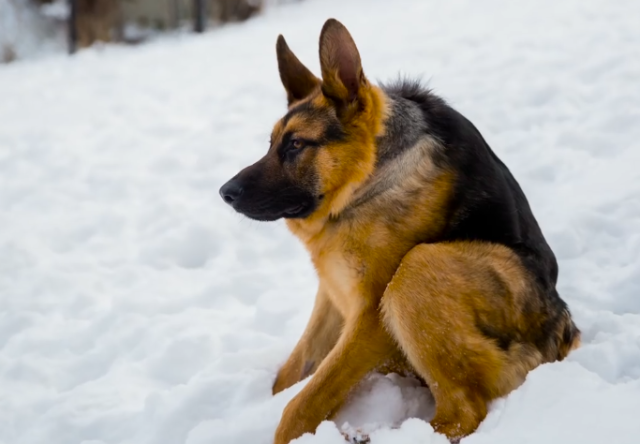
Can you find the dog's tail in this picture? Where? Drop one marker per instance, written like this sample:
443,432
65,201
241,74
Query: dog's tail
569,335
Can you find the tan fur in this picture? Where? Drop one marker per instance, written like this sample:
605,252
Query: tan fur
320,336
430,307
302,126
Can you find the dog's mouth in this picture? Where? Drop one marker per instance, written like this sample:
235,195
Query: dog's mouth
303,209
268,203
271,213
297,211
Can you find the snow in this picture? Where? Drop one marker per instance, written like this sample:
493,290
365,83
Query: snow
136,307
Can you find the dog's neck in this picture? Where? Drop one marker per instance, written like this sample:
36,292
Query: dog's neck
368,127
402,151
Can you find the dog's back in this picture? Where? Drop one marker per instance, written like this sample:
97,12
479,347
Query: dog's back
488,205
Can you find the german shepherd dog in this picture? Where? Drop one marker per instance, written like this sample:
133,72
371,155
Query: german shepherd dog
428,256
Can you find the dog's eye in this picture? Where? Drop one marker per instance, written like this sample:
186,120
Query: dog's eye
293,148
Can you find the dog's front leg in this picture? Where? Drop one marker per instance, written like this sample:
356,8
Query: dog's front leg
362,347
320,336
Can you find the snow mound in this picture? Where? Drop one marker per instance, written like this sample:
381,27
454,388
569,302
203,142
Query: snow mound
137,308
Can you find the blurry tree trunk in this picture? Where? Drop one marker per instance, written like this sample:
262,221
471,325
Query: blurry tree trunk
73,30
7,54
224,11
198,15
92,21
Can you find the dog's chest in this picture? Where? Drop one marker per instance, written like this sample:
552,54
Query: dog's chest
342,278
354,264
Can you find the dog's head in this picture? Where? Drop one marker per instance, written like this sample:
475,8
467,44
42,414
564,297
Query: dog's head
324,146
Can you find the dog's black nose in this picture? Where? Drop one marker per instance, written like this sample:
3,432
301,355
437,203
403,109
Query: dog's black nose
231,191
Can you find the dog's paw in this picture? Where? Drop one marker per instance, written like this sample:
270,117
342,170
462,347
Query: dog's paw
356,437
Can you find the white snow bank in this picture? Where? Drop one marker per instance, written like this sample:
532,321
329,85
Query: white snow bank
135,307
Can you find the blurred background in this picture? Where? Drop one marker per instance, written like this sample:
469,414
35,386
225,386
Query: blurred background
29,27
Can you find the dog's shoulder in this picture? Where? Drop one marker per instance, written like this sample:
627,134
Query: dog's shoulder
487,203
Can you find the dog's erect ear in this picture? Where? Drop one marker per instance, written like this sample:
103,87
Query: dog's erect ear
298,81
342,75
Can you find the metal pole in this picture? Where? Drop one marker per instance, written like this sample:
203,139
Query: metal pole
72,25
175,12
198,15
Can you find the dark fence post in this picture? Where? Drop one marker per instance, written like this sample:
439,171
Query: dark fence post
198,15
72,26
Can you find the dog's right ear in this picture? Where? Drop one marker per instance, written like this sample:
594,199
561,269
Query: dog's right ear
298,81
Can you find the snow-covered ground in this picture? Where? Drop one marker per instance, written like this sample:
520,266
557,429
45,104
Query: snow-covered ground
135,307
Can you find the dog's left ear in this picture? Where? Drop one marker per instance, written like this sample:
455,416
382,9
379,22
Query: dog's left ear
342,76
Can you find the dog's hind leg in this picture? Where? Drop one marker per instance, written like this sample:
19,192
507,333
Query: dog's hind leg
320,336
439,306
